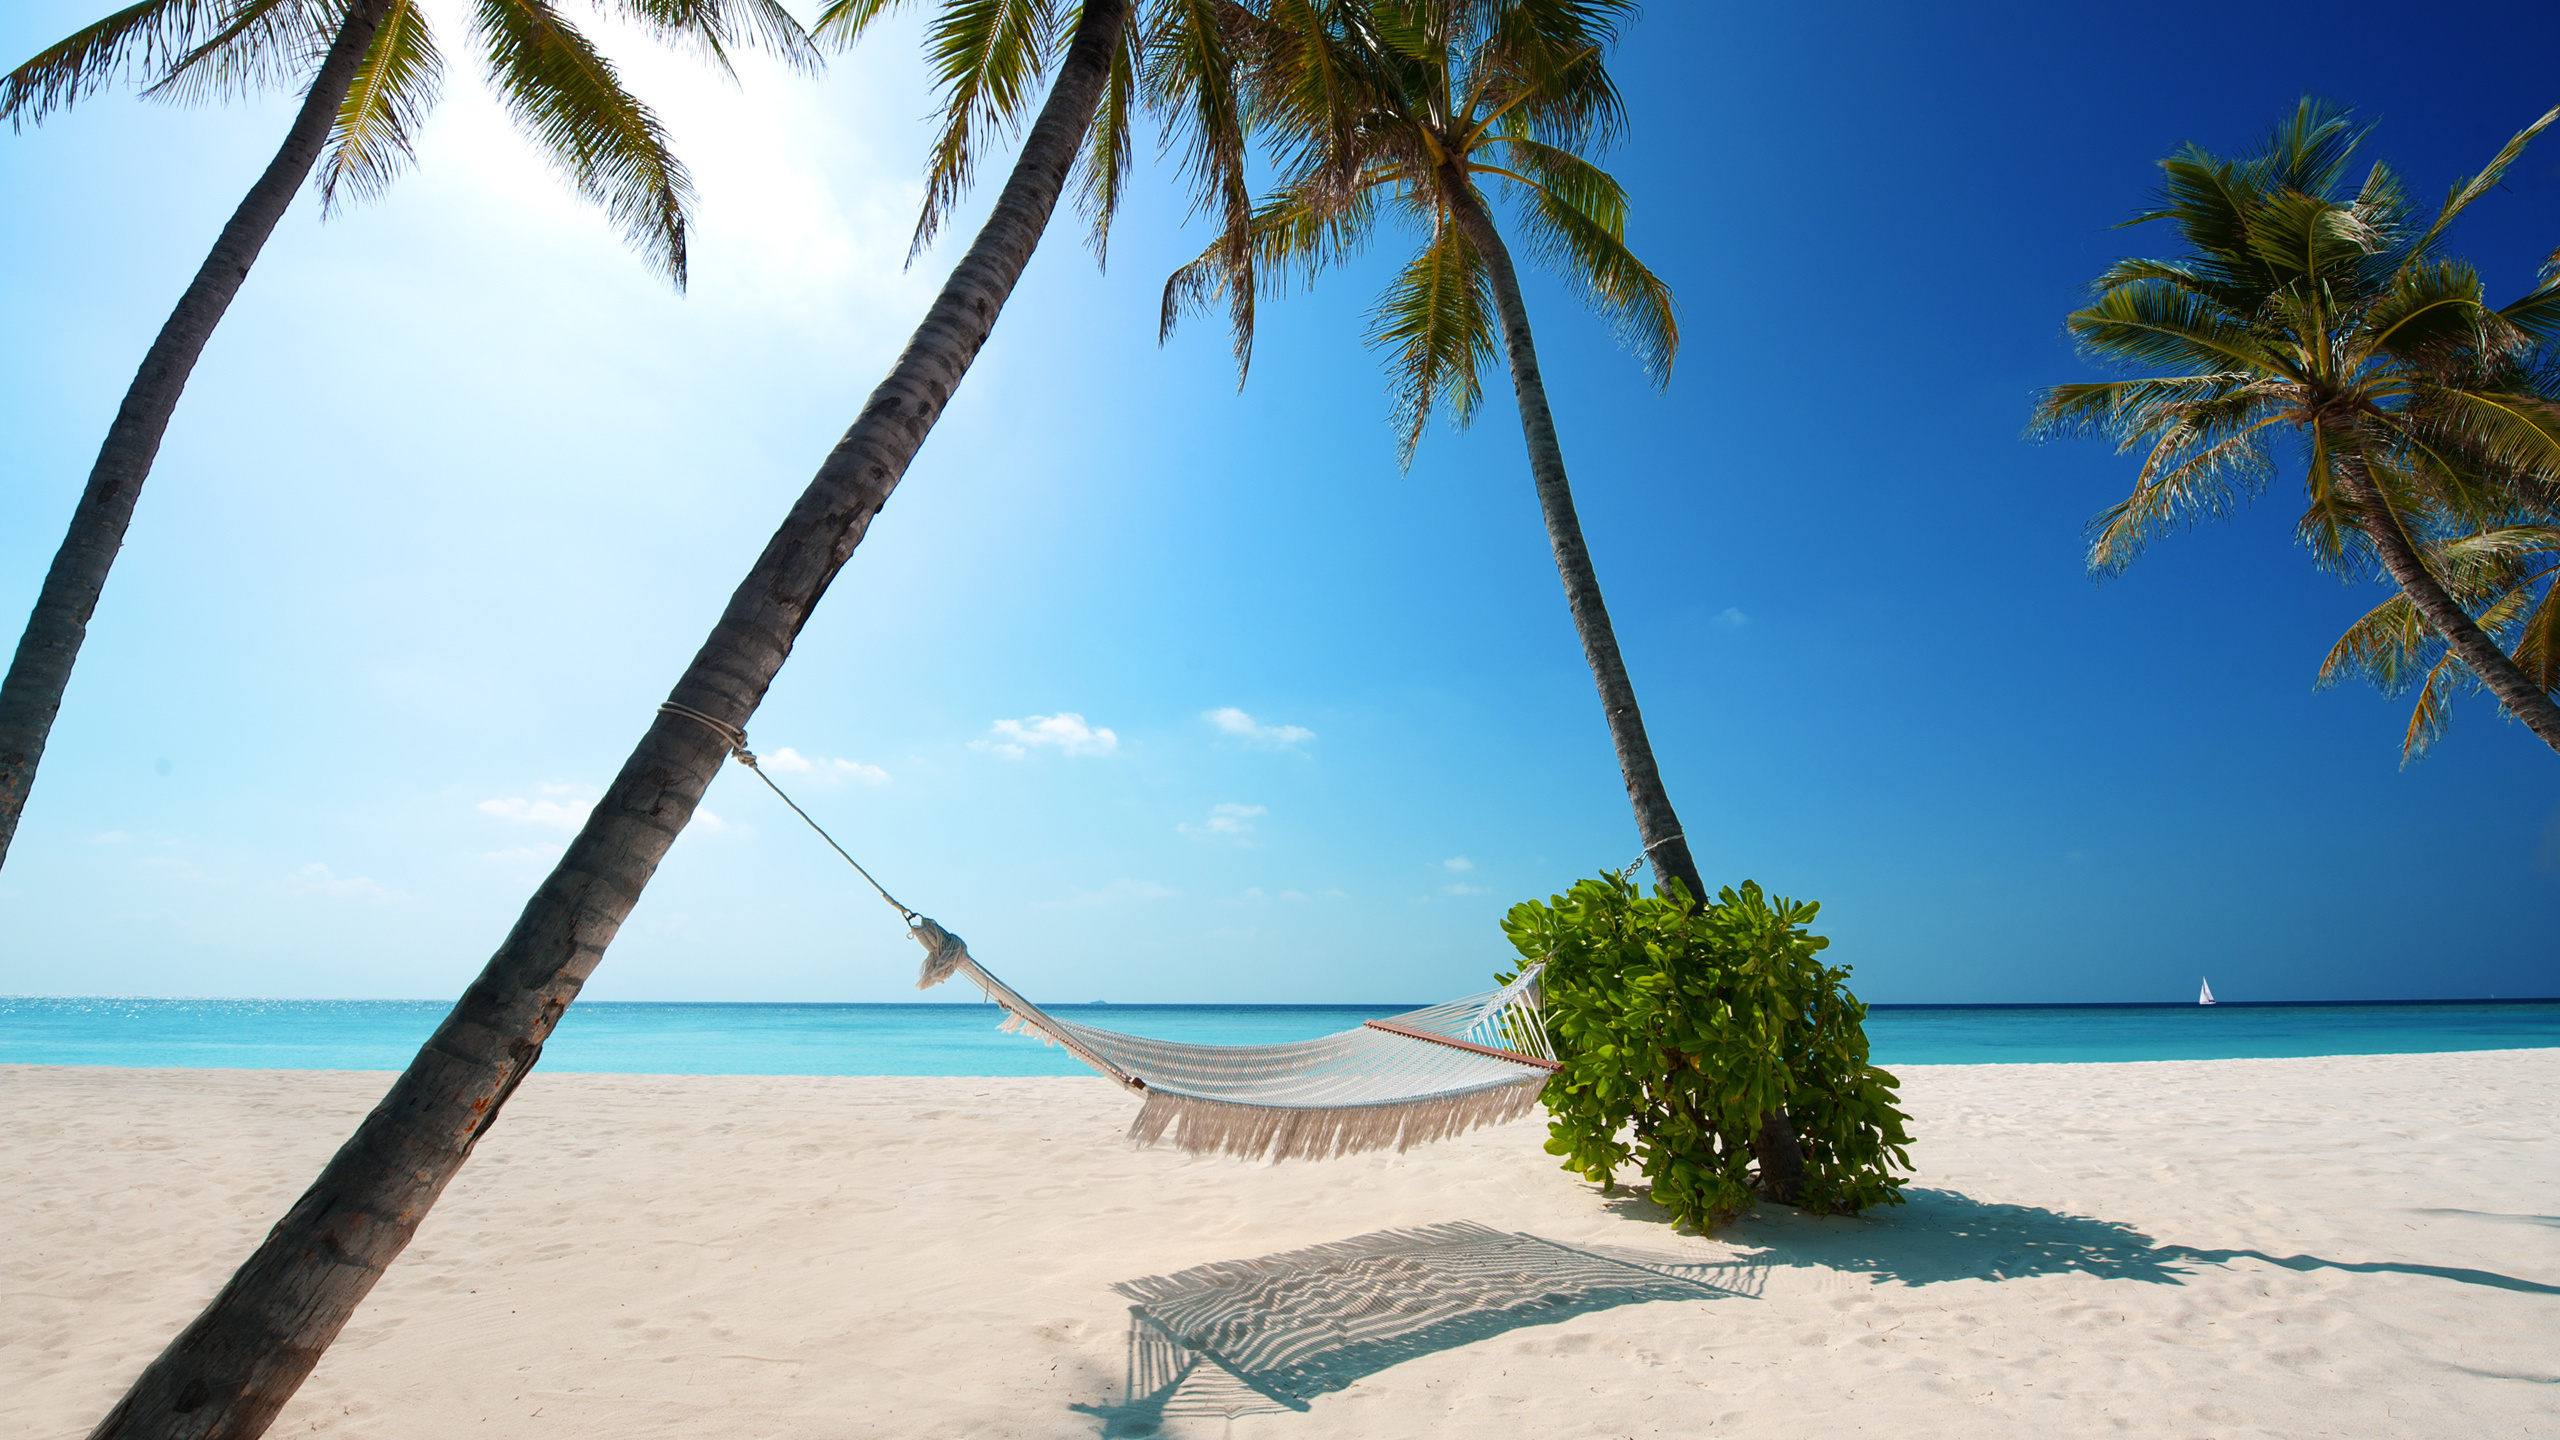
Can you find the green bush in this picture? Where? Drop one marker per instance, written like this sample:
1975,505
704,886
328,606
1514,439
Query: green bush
1680,1028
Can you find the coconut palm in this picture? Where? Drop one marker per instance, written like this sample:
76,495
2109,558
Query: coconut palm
372,71
1395,108
231,1369
2329,315
1380,108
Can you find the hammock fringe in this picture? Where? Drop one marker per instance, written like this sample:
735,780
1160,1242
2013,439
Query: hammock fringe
1257,1132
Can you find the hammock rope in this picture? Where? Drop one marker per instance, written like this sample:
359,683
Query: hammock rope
1424,1075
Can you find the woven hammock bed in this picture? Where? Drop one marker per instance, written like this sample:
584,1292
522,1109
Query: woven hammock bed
1391,1084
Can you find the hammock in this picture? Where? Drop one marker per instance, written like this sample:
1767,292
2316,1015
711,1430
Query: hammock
1425,1075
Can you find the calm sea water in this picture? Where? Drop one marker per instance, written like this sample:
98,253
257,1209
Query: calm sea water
697,1039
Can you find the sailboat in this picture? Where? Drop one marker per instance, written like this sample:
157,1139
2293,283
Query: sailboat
2205,996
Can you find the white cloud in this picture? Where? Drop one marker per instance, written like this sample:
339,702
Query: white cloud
562,807
112,837
1121,891
1231,721
1225,822
1466,890
1065,732
316,879
791,762
1729,618
1457,864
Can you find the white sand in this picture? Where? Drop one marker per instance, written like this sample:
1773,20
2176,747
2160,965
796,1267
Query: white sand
2349,1246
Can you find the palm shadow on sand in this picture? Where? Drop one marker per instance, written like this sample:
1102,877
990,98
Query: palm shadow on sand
1243,1337
1941,1235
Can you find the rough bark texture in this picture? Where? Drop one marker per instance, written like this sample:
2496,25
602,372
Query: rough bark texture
2496,670
41,670
1656,823
1781,1160
237,1364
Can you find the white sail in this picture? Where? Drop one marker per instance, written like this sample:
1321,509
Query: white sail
2205,996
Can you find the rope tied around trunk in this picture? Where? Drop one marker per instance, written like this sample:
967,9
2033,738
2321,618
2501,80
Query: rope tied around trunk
736,739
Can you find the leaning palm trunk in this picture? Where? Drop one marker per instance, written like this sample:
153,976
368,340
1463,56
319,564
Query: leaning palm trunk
2497,671
41,670
1781,1159
1656,824
230,1372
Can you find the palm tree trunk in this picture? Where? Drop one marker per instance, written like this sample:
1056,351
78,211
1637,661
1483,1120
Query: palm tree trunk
1781,1158
230,1371
40,671
2494,667
1656,823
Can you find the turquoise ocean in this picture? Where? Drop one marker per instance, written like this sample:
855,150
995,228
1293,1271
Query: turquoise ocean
636,1037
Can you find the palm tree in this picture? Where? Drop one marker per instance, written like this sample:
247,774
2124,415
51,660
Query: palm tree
377,76
230,1370
1397,106
2302,308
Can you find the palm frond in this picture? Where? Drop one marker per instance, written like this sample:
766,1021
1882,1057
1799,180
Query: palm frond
1289,241
2208,284
2537,313
841,23
2182,484
151,37
2432,716
1576,215
2153,322
988,59
373,138
2536,650
2509,432
569,99
1436,322
1102,166
1193,79
261,45
2127,409
2432,309
1545,59
712,29
2466,191
2306,238
2388,646
2309,151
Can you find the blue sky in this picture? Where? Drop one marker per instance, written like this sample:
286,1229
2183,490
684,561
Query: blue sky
460,486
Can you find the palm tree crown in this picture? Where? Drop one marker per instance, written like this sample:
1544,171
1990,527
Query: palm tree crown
563,91
2329,315
1397,107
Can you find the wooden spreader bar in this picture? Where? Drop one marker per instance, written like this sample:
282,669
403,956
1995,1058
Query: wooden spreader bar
1410,1033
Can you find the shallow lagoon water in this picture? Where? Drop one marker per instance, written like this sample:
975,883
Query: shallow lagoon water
641,1037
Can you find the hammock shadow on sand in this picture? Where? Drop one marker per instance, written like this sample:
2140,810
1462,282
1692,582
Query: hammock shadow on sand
1259,1336
1941,1235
